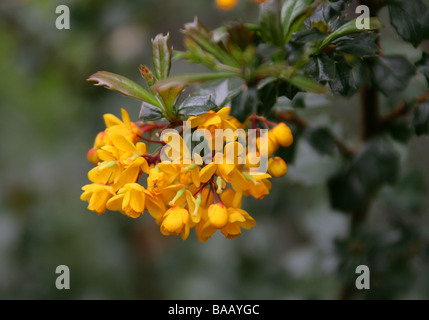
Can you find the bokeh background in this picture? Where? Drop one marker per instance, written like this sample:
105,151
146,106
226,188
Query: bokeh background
49,116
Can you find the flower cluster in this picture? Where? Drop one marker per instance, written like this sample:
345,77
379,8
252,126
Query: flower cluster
183,187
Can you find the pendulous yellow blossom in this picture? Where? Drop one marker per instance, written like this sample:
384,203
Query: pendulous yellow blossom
130,200
183,192
97,195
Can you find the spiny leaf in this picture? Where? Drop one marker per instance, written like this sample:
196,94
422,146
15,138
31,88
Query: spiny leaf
123,85
161,53
349,28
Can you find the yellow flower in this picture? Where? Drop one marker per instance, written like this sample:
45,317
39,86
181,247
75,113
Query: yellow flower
130,200
97,195
237,219
176,221
213,120
124,128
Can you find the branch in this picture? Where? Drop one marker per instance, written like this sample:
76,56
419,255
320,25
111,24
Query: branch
400,110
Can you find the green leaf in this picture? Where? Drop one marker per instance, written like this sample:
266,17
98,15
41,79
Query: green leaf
363,46
307,84
219,93
245,103
421,119
423,65
321,139
196,105
290,11
270,24
349,28
322,68
392,74
267,96
344,82
347,192
376,165
123,85
309,35
169,94
161,53
186,79
149,112
410,20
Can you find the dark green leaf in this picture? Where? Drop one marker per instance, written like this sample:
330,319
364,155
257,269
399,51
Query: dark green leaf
196,105
287,90
149,112
362,46
347,192
162,54
410,20
421,119
185,79
392,74
349,28
270,23
329,13
423,65
123,85
308,85
267,96
245,103
321,139
344,82
322,68
401,131
378,163
291,11
310,35
218,93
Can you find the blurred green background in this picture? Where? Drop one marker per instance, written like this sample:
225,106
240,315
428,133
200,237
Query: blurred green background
49,116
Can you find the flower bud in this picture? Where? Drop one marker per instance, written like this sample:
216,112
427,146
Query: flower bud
283,134
92,156
253,160
226,4
218,215
277,167
271,142
99,140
